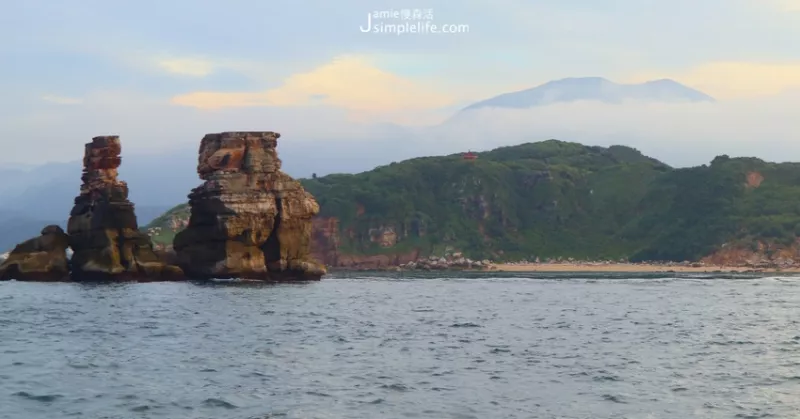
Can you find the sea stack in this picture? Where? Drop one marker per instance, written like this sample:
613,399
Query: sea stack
102,228
249,220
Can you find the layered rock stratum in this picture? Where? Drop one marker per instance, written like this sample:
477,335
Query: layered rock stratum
102,227
248,219
102,232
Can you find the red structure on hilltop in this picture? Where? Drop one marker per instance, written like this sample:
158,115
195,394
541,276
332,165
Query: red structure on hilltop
469,155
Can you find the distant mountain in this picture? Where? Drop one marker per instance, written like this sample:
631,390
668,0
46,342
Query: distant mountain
16,227
47,192
593,89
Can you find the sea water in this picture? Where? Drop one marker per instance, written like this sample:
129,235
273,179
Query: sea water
394,346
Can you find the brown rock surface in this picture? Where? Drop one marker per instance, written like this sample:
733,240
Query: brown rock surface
42,258
248,219
761,253
325,247
103,231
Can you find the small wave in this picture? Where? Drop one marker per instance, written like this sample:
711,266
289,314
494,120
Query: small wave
396,387
732,342
468,324
142,408
606,378
613,398
317,393
45,398
212,402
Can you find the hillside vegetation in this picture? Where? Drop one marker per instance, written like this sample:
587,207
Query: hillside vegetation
558,199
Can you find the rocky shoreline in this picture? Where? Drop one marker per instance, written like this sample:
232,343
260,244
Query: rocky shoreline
454,261
761,265
249,220
457,262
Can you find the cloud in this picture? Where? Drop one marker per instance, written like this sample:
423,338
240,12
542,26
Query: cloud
731,80
678,134
790,5
187,66
62,100
352,83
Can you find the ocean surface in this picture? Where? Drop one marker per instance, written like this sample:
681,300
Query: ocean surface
392,346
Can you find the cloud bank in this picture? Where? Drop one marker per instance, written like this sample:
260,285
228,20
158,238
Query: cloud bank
328,140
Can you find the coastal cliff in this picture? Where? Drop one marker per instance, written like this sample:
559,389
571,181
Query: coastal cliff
551,200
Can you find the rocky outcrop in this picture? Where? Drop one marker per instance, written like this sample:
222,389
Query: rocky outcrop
760,254
248,219
325,247
325,240
450,261
103,231
42,258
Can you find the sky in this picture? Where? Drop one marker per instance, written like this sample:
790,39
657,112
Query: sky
162,74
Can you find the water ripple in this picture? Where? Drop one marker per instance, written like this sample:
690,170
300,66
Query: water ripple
394,345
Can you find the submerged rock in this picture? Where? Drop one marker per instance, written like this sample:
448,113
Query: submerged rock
42,258
248,219
103,230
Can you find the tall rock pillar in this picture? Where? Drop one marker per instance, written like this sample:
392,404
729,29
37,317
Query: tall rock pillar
248,219
103,231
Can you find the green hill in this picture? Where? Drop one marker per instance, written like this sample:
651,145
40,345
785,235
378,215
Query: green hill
555,199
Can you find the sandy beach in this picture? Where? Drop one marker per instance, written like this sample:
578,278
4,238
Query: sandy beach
626,267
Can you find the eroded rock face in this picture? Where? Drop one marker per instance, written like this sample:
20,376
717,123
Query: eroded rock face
103,231
325,247
248,219
42,258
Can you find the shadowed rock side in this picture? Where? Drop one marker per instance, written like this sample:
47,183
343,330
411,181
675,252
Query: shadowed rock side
325,246
103,231
42,258
248,219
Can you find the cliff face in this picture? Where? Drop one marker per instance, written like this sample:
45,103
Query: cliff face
543,199
248,219
326,240
757,254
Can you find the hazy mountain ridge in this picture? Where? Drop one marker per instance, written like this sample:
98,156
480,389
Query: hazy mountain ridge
593,89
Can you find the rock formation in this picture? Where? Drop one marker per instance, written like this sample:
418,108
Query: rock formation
103,231
42,258
325,246
248,219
